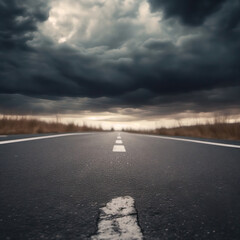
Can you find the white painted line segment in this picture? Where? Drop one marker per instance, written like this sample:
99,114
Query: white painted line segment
118,220
119,148
43,137
119,141
194,141
118,137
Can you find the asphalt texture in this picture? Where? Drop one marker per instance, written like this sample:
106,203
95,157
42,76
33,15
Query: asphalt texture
53,188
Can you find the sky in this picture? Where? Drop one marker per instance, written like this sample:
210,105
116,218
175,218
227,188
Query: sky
138,63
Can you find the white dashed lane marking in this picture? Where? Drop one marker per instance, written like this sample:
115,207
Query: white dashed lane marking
119,148
118,220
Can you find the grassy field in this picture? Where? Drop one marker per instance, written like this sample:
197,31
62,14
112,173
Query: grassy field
23,125
216,130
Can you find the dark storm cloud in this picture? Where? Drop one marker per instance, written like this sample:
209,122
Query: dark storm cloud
224,101
18,19
190,12
121,66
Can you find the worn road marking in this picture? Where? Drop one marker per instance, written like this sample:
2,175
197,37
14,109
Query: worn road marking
119,148
194,141
118,137
118,220
43,137
3,135
119,141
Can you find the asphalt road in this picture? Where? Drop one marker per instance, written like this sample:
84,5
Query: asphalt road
53,188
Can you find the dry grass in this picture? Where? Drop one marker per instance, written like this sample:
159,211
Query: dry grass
219,129
216,130
23,125
229,131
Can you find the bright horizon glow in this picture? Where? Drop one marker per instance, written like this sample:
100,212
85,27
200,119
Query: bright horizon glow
99,121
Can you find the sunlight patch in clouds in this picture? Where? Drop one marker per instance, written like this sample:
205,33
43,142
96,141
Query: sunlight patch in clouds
100,23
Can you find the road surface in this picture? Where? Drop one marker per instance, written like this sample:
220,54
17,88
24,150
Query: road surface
66,187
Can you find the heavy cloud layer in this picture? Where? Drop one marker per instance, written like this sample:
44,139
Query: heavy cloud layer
189,12
119,54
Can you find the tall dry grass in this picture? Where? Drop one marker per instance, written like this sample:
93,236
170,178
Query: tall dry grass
24,125
215,130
